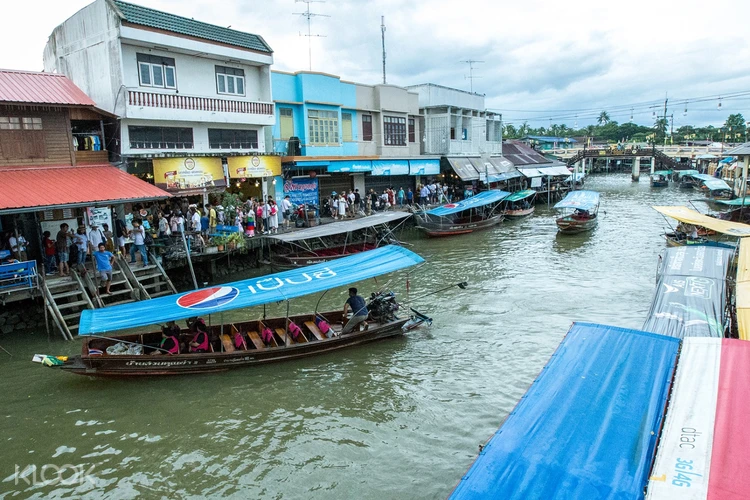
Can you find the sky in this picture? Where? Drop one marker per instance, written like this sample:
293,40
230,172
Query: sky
542,61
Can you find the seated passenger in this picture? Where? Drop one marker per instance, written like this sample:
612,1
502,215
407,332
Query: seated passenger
169,344
200,339
359,311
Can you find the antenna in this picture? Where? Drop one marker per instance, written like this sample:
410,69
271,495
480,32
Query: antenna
471,77
382,35
307,14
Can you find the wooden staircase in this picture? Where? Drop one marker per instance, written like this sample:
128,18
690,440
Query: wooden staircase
148,281
65,299
121,288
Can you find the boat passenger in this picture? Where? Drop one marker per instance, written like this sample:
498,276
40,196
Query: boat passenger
200,339
169,344
359,311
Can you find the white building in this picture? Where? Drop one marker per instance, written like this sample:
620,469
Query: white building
182,88
457,123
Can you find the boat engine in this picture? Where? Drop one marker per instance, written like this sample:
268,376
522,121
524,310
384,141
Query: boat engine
383,306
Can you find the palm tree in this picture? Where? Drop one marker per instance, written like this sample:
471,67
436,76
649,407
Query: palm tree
603,118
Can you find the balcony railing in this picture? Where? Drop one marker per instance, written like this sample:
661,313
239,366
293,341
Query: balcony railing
180,101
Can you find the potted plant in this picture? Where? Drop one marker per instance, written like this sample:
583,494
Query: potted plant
220,242
235,240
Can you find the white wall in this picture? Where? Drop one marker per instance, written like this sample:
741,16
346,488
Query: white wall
435,95
200,137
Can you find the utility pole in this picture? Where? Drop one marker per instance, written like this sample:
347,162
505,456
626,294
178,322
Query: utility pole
382,36
308,15
471,63
665,120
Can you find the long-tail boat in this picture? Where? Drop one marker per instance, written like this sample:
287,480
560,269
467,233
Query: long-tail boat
660,178
481,211
248,342
580,212
520,204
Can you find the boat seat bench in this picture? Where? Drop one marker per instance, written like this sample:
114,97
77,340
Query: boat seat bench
314,330
256,340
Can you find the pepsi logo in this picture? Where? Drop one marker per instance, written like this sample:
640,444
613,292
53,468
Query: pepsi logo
208,298
450,205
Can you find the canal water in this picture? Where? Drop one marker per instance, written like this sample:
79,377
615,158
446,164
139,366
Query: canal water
402,418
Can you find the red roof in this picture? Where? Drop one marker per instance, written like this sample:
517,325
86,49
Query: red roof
40,188
40,88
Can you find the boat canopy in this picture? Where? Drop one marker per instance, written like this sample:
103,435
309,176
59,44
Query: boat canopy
582,200
683,173
742,293
341,227
715,184
690,216
690,298
662,173
737,202
478,200
705,426
521,195
588,425
250,292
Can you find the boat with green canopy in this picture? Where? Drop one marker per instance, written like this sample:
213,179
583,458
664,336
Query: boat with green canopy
520,204
660,178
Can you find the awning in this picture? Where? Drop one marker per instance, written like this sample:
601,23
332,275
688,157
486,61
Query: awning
250,292
350,166
706,157
715,184
341,227
521,195
530,172
727,160
662,172
464,168
703,447
742,292
478,200
506,176
390,167
690,216
424,167
42,188
683,173
582,200
588,425
557,170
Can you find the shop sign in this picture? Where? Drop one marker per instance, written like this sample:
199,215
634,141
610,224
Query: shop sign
241,167
179,174
99,216
302,191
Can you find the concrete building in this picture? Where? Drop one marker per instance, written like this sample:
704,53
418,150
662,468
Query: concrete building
351,135
186,91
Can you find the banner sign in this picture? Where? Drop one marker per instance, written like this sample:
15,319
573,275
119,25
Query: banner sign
99,216
390,167
177,174
241,167
302,191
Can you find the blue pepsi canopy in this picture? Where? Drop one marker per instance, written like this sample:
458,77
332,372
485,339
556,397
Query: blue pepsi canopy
587,426
582,200
478,200
250,292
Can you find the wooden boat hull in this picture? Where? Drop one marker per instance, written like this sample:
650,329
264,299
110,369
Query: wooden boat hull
437,230
106,365
570,225
659,184
303,259
519,214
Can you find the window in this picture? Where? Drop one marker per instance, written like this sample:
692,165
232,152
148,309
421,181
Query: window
323,126
160,137
286,123
21,138
394,128
219,138
453,133
10,123
156,71
230,80
346,126
366,127
412,131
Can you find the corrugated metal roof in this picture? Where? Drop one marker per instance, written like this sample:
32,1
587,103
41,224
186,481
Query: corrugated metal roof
47,187
743,149
40,88
521,154
144,16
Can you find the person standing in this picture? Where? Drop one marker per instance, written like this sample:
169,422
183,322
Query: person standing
211,219
335,205
273,216
391,196
121,231
342,207
109,243
286,210
424,192
358,203
359,311
104,261
18,245
350,201
49,253
265,212
410,196
139,242
95,237
401,195
82,242
195,220
62,242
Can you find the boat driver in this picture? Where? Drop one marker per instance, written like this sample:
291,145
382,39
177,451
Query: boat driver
359,311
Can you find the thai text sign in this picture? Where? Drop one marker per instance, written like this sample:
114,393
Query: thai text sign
253,166
302,191
176,174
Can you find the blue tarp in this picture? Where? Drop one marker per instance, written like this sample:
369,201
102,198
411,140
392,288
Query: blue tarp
587,426
250,292
727,160
583,200
478,200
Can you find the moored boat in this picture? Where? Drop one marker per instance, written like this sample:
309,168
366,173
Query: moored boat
520,204
660,178
481,211
249,342
686,179
581,210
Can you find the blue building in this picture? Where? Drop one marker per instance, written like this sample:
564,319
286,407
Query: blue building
347,135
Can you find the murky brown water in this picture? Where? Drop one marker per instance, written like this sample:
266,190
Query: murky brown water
402,418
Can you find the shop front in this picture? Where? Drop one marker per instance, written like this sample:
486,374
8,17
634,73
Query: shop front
255,176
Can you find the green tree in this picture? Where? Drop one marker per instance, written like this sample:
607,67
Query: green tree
660,130
734,128
603,118
510,132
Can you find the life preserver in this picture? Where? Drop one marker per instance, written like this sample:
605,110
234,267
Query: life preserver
202,344
175,349
266,335
294,330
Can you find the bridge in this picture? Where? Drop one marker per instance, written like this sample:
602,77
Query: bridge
691,152
636,153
